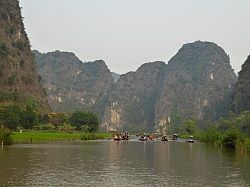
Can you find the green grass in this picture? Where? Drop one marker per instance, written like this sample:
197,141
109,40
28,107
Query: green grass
95,136
43,136
187,136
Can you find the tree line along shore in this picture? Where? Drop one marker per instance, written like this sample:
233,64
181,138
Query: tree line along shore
25,124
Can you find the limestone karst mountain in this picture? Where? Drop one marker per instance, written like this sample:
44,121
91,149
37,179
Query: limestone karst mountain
196,84
242,91
115,76
19,81
132,100
73,85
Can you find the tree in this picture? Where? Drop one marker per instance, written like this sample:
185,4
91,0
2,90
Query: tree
10,116
225,124
84,120
189,126
232,138
5,136
29,116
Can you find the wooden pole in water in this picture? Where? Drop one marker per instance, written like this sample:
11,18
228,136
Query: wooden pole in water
2,143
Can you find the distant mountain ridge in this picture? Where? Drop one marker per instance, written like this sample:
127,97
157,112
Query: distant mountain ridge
197,83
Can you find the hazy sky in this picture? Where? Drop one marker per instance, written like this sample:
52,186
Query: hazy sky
128,33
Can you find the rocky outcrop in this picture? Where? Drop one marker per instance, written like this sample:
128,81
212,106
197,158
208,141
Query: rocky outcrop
115,76
73,85
197,83
131,101
19,81
242,91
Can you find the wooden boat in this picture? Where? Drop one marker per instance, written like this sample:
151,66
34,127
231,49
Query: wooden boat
125,138
117,137
151,137
190,141
143,138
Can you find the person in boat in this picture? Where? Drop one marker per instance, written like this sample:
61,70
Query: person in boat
175,136
126,135
116,136
190,140
143,136
151,137
164,138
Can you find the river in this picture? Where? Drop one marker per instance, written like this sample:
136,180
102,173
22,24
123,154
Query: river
126,163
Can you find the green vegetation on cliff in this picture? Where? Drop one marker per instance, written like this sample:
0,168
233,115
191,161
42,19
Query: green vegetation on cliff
18,76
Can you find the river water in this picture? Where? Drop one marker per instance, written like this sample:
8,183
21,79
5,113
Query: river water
126,163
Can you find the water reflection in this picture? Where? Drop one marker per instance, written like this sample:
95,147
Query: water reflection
128,163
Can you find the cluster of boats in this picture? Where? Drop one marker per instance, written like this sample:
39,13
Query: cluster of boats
120,136
150,137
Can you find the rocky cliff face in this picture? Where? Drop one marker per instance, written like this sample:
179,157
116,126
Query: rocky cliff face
242,91
115,76
19,81
131,101
197,83
73,85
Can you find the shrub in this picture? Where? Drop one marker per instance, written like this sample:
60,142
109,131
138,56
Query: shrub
3,49
5,136
7,96
27,80
48,126
12,79
57,118
10,116
10,30
211,135
91,136
80,119
232,139
66,127
20,44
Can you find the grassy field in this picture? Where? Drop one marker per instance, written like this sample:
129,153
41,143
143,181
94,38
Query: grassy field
248,144
43,136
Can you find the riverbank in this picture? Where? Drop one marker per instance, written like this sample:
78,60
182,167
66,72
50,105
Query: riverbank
44,136
230,139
